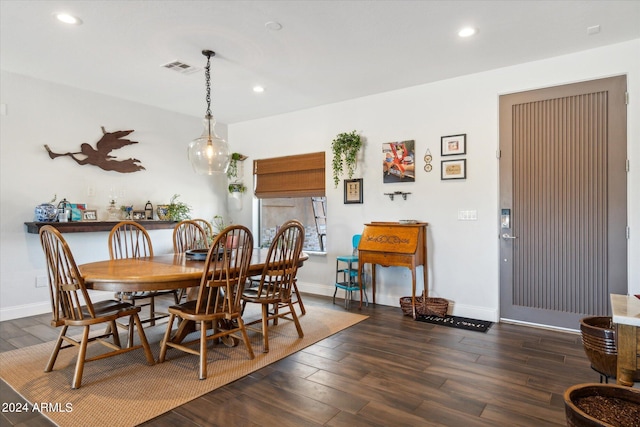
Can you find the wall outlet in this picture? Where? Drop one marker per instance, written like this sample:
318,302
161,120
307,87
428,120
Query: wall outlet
41,282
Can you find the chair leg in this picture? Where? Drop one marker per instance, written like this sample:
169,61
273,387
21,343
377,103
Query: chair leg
296,321
130,334
165,339
56,350
298,299
113,329
265,327
203,350
143,339
245,338
82,354
335,291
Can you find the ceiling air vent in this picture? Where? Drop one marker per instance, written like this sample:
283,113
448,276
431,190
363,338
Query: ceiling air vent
181,67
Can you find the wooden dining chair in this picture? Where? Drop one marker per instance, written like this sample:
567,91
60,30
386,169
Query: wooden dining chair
206,226
277,280
128,239
219,297
188,235
67,290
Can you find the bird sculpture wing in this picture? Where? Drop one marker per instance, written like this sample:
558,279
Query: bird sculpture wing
113,141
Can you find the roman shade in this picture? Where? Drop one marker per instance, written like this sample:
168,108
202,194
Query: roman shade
300,175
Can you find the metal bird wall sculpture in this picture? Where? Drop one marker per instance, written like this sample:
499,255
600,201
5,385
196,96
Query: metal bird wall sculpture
100,156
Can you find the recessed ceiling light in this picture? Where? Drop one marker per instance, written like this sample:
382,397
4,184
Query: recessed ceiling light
68,19
273,26
467,32
258,89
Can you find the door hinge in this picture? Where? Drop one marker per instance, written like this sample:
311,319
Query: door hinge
626,98
498,154
628,165
628,233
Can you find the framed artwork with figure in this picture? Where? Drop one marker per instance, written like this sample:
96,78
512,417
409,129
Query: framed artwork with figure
353,190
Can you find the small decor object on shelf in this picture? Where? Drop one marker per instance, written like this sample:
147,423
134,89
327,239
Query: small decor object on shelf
139,215
148,210
178,211
345,151
113,211
46,212
65,211
161,211
127,212
100,156
89,215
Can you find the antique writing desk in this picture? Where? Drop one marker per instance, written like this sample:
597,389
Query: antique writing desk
394,244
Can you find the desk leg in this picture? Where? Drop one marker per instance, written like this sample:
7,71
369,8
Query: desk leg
373,283
627,354
413,291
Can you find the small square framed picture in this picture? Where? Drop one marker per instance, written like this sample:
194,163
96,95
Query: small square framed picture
454,169
89,215
353,190
138,215
453,145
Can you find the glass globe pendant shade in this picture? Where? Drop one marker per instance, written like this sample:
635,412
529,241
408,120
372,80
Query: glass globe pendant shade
209,154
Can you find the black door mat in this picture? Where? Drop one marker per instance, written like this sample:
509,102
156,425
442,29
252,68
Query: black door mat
456,322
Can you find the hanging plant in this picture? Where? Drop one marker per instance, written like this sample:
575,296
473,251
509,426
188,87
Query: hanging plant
237,187
345,149
232,171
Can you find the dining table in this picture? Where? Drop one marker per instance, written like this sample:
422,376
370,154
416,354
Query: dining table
159,273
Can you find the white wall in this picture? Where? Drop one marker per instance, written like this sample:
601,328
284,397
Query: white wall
463,255
41,113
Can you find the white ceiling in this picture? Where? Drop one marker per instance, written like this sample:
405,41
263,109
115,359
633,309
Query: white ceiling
327,51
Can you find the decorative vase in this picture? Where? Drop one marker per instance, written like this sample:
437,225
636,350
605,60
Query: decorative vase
46,212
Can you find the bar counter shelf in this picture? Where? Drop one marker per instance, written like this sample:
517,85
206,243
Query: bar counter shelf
93,226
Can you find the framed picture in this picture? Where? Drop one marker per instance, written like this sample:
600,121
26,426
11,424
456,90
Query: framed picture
353,190
398,161
454,169
89,215
453,145
139,215
76,211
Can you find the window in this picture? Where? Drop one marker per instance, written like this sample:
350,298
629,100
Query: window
310,211
292,187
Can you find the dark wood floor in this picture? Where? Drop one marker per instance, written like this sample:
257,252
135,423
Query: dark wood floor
386,371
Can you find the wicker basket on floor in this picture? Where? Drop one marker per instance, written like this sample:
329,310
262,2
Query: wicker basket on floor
430,307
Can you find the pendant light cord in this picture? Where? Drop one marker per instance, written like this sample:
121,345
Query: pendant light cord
207,76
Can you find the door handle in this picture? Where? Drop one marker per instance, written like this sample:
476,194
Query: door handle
506,236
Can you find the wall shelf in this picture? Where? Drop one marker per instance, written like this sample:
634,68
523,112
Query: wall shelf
92,226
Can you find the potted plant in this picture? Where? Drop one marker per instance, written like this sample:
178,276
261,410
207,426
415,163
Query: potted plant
345,150
177,211
232,171
237,187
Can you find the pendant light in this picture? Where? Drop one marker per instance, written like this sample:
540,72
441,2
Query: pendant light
209,153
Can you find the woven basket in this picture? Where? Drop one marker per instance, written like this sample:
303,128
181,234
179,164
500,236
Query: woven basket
430,307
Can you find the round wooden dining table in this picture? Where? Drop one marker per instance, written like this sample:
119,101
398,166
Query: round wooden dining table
157,273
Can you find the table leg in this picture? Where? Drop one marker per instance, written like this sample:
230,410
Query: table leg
627,354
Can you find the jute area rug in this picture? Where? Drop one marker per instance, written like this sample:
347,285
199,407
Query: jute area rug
125,391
